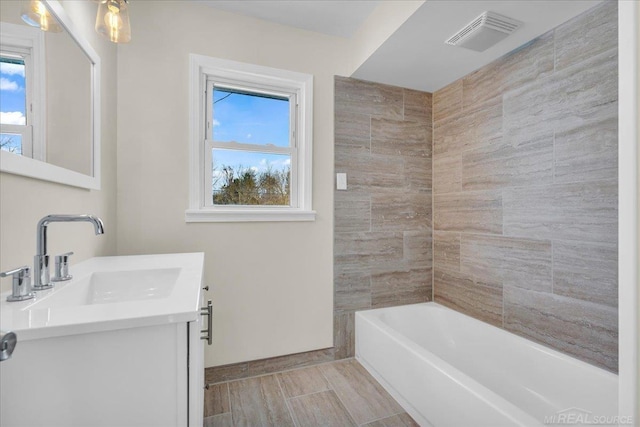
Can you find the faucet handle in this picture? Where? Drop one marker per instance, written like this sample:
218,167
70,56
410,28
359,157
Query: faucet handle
61,272
21,283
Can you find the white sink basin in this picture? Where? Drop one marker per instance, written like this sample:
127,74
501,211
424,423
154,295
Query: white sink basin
112,287
109,293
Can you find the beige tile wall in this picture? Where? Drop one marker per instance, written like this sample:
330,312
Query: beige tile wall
525,190
382,236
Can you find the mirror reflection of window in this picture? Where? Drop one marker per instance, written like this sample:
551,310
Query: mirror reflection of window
53,132
15,134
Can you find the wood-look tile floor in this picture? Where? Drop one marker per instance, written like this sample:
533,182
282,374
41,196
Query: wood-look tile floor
339,394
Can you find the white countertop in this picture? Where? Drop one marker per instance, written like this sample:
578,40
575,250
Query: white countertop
56,312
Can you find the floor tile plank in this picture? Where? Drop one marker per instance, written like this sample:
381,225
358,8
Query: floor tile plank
320,409
400,420
220,420
360,393
258,401
216,400
302,381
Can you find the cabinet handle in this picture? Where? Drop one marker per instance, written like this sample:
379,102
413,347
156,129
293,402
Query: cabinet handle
208,311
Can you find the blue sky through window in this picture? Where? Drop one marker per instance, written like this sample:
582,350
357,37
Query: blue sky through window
13,101
12,91
249,119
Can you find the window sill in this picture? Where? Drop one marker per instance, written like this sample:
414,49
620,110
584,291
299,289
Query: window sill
247,215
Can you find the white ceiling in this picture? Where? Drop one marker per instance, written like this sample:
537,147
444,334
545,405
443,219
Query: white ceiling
333,17
415,56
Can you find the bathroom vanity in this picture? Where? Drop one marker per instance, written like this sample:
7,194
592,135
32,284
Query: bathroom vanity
121,343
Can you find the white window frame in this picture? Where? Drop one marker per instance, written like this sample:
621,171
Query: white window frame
298,87
28,43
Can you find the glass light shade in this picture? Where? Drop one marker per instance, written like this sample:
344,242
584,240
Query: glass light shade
36,14
112,20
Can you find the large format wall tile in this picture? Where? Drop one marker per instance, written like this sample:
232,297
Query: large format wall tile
400,138
525,189
587,153
362,97
522,263
585,330
587,271
515,69
417,248
458,291
451,135
352,288
590,34
368,247
471,212
446,250
483,124
382,222
447,101
369,173
353,130
564,100
417,106
352,212
447,173
418,174
578,211
401,286
401,211
499,164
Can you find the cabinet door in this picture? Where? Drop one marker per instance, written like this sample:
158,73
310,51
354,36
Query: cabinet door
134,377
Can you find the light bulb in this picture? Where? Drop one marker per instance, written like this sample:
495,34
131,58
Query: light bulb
112,21
35,13
114,24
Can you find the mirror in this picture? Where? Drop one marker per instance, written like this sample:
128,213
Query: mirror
49,99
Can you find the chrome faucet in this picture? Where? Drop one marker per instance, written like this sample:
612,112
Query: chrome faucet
41,279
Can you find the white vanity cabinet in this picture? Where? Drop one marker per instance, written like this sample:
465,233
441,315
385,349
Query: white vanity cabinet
122,363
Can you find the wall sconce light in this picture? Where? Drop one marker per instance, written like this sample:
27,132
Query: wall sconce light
112,20
37,15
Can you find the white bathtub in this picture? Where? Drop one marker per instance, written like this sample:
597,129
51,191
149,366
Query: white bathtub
448,369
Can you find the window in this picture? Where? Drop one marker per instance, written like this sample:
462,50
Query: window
250,143
21,53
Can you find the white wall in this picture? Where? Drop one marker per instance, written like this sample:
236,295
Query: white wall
271,283
23,201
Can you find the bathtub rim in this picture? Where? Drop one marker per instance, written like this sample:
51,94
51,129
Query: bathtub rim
511,335
460,377
480,391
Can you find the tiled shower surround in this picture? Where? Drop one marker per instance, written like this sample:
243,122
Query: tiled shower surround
382,234
517,165
524,193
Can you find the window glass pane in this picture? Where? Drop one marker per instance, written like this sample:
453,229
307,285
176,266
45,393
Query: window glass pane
11,142
248,178
13,98
250,118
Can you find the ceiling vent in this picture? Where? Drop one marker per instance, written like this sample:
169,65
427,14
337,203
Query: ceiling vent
484,31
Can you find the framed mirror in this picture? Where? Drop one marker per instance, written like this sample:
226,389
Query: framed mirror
49,98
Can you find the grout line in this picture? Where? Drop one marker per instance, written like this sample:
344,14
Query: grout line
286,401
385,417
229,400
553,159
552,266
281,371
370,126
340,399
528,187
433,208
